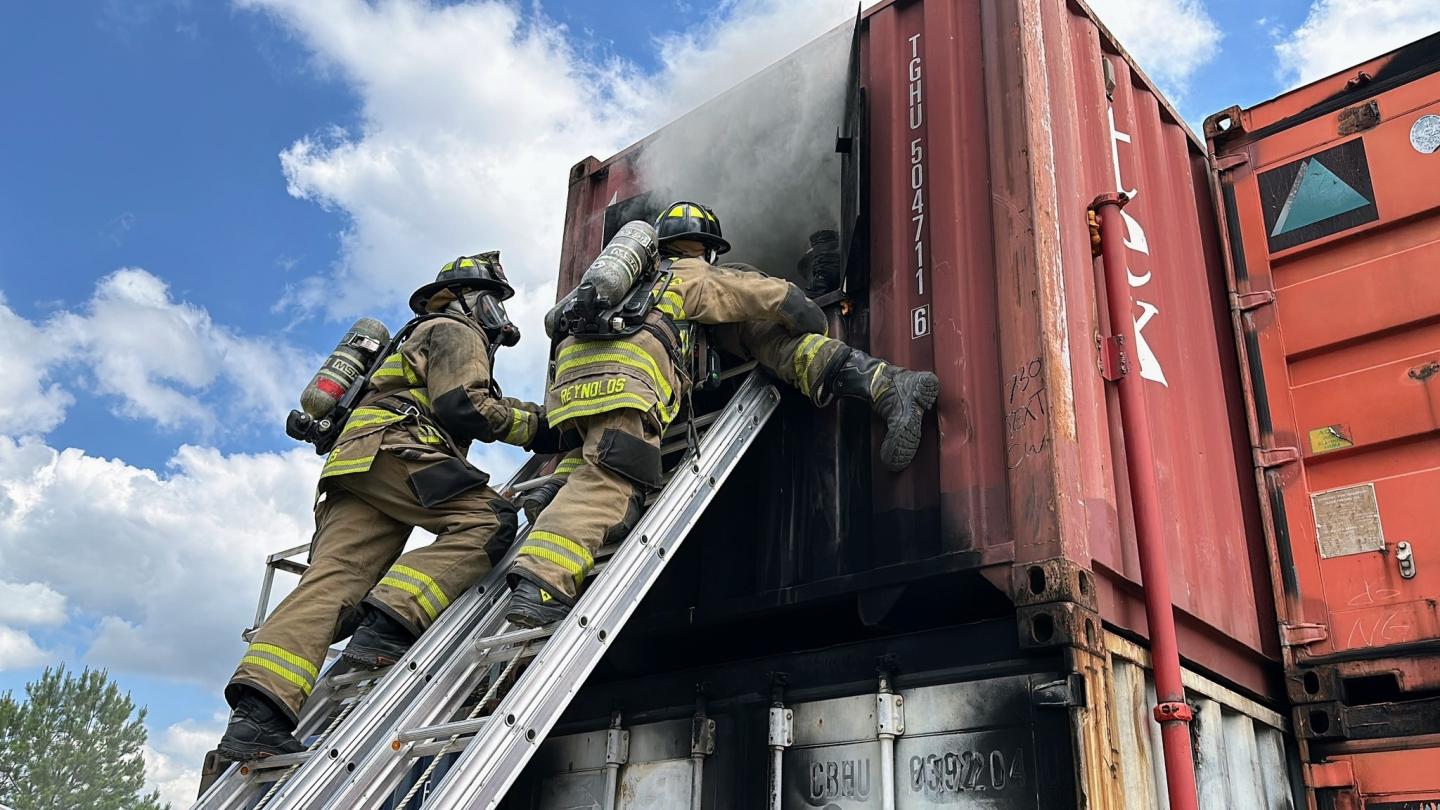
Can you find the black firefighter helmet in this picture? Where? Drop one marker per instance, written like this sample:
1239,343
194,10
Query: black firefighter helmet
691,220
481,273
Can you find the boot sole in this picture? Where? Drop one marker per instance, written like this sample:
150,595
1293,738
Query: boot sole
919,389
369,660
531,621
249,753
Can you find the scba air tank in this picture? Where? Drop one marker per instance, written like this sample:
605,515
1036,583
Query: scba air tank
632,251
351,359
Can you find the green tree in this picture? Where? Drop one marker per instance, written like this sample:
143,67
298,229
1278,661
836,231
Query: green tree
73,744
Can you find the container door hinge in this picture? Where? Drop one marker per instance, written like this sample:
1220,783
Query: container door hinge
1062,694
889,714
1299,634
1225,163
1268,457
1336,774
702,736
782,727
1245,302
1113,363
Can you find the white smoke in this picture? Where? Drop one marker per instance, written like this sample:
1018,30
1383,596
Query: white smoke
762,155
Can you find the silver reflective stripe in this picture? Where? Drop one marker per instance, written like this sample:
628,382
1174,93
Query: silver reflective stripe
581,562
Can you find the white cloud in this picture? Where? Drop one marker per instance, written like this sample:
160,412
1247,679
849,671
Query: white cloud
1338,34
19,651
1170,39
30,604
160,359
167,564
472,115
173,758
35,402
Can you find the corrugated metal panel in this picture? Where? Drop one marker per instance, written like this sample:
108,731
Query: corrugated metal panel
990,130
994,742
1241,758
1334,240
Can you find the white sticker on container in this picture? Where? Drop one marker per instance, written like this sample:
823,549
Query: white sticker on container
1425,135
1347,521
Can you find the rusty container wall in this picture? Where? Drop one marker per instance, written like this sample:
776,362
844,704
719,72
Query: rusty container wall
1028,111
1331,203
987,130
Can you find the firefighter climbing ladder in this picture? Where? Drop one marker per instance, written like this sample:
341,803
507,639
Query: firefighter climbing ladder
373,728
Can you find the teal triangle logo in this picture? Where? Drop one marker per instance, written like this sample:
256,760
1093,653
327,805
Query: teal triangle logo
1316,195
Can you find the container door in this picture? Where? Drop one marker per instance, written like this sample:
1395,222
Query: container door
1335,245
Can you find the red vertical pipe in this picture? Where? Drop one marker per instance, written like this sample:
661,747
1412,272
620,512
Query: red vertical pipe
1171,711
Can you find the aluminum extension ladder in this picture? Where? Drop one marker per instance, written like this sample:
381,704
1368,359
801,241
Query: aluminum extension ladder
372,729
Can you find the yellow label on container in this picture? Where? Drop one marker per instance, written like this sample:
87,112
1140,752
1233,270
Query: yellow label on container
1329,439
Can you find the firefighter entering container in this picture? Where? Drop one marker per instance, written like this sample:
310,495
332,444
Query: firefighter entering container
620,393
399,462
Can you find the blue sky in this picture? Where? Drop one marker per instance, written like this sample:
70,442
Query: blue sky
199,196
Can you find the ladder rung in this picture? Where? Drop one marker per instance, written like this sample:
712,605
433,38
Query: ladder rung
426,749
277,761
513,637
443,730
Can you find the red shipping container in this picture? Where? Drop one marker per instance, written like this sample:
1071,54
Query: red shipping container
1330,197
980,134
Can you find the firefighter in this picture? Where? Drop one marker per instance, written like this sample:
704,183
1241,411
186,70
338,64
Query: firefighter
621,394
400,462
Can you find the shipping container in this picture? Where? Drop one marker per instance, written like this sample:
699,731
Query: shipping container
1330,200
956,148
972,138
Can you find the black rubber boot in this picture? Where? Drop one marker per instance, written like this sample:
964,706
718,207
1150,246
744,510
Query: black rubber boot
257,730
534,501
533,606
899,396
379,641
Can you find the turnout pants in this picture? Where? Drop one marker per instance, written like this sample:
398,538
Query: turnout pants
798,360
599,504
362,521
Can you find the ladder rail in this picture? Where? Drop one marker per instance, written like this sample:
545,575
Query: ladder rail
493,760
234,789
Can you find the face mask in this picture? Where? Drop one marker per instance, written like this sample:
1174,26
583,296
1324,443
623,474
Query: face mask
487,311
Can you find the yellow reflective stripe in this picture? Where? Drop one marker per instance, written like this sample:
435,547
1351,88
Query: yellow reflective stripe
672,305
426,580
589,407
421,598
292,677
602,351
287,656
368,417
394,366
804,355
343,467
569,465
420,396
519,428
565,543
647,369
554,557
